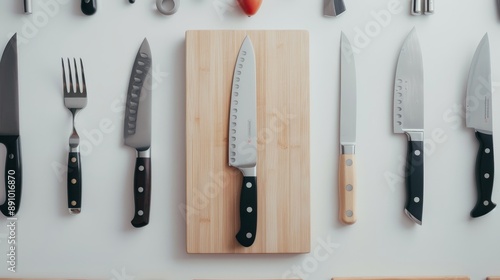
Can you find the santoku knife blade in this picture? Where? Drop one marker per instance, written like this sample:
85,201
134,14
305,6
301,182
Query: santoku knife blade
408,118
479,117
347,161
242,138
9,127
137,131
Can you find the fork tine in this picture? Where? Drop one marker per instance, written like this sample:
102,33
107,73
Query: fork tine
65,87
77,85
84,85
71,88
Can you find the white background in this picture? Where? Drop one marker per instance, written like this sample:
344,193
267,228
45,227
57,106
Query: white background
100,242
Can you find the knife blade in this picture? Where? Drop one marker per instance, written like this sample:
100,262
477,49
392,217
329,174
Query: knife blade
137,131
9,127
478,116
408,118
333,8
242,138
347,160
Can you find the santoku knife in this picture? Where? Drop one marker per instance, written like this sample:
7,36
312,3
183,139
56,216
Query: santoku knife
9,127
137,131
479,117
409,119
347,161
242,138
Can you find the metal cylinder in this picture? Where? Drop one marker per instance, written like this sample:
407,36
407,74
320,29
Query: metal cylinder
416,7
429,7
27,7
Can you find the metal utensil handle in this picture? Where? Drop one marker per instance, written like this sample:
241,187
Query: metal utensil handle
429,7
165,11
27,7
416,7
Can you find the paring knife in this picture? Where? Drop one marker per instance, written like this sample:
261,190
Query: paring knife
347,161
409,119
9,127
89,7
242,138
479,117
137,131
333,8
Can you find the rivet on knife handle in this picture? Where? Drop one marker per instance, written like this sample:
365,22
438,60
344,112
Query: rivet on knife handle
333,8
485,169
415,180
13,175
347,188
248,211
142,190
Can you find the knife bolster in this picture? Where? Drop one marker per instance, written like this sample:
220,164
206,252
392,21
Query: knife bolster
144,153
348,149
415,135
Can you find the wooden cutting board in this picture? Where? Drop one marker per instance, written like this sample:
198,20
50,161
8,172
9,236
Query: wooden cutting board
212,187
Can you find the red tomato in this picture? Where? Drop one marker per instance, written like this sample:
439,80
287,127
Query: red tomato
250,7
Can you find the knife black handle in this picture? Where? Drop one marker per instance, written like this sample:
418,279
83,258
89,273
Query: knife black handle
415,180
74,183
142,191
131,1
248,211
89,7
13,175
485,168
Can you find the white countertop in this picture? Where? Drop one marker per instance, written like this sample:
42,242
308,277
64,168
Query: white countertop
100,242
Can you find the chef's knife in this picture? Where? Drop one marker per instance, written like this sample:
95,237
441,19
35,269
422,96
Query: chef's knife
137,131
9,127
333,8
409,119
89,7
242,138
479,117
347,161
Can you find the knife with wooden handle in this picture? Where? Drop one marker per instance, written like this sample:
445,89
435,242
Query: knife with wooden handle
347,161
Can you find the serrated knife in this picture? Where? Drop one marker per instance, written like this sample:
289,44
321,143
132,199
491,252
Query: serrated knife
9,127
137,131
347,161
408,118
242,138
478,116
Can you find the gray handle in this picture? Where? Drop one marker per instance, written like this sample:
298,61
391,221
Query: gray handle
27,7
429,7
416,7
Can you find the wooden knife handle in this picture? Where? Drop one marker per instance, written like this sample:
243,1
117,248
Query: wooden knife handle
142,191
415,181
74,183
89,7
347,189
13,175
485,169
248,212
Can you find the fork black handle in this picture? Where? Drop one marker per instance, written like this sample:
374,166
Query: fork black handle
89,7
13,175
74,183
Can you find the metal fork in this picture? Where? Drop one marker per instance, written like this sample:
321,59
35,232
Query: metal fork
75,99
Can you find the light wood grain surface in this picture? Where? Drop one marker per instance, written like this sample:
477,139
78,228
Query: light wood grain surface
347,189
405,278
213,188
493,278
